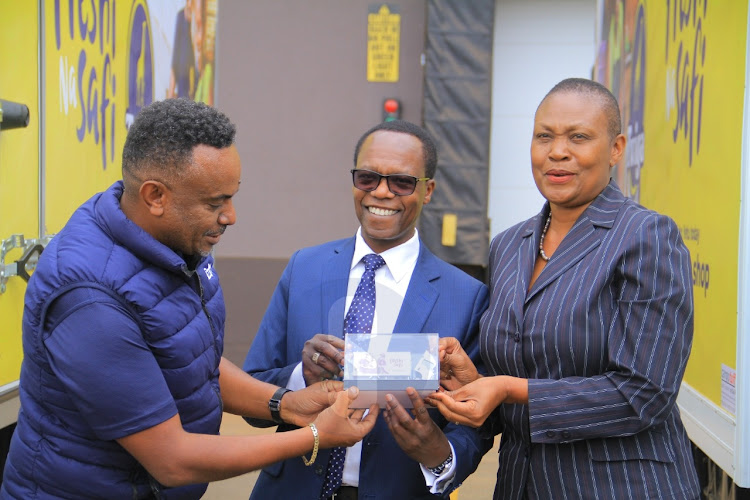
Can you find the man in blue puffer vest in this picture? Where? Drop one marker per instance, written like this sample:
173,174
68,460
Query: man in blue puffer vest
123,382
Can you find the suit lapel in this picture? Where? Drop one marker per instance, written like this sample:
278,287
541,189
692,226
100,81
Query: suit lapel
421,294
585,235
333,290
525,260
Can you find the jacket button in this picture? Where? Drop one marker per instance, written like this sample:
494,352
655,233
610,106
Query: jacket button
319,470
566,435
517,337
550,434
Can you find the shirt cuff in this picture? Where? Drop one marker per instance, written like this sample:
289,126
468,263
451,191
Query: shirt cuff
439,484
296,380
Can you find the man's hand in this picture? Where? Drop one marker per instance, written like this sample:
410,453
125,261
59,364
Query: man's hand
456,368
417,434
340,426
321,358
303,406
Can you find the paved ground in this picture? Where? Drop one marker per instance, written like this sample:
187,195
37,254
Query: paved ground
477,487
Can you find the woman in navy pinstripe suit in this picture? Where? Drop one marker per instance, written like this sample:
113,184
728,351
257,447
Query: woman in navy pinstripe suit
589,327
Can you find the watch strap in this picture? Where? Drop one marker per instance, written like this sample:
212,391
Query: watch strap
440,468
274,404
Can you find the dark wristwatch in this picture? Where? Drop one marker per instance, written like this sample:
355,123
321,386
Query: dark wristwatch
274,404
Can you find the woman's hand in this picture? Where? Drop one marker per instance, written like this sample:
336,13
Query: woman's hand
456,368
474,402
340,426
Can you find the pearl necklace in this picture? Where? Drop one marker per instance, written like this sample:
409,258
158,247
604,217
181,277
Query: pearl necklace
541,240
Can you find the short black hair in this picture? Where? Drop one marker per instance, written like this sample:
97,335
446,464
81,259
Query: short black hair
429,151
600,92
164,133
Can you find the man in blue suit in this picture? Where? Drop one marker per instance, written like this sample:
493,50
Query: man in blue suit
408,455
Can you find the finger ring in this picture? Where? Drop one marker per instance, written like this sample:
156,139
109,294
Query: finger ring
422,410
315,357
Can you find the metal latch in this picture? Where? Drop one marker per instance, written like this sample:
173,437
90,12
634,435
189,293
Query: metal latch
32,249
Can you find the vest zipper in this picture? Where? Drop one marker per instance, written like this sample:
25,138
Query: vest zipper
213,333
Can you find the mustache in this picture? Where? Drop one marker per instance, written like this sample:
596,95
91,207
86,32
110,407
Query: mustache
219,232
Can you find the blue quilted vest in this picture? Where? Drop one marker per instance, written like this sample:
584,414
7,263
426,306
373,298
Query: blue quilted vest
53,454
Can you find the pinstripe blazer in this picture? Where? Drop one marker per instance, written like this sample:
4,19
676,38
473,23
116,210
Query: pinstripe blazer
603,337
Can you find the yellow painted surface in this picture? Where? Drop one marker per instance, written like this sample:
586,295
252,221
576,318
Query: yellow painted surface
683,157
450,226
101,70
695,178
19,165
86,90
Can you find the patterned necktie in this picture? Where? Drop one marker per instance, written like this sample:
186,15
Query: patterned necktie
358,320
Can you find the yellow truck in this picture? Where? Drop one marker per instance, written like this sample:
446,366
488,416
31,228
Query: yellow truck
74,76
680,72
19,190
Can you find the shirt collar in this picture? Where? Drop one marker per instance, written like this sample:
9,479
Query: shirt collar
399,260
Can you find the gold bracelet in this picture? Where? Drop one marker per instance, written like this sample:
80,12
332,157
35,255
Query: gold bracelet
315,447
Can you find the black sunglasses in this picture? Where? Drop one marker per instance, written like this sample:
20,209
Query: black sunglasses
398,184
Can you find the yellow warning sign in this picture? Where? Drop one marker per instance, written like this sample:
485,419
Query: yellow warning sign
383,45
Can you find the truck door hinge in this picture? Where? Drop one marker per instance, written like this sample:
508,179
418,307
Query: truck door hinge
32,249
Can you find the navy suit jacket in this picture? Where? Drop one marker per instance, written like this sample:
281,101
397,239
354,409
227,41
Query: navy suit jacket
309,299
603,336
